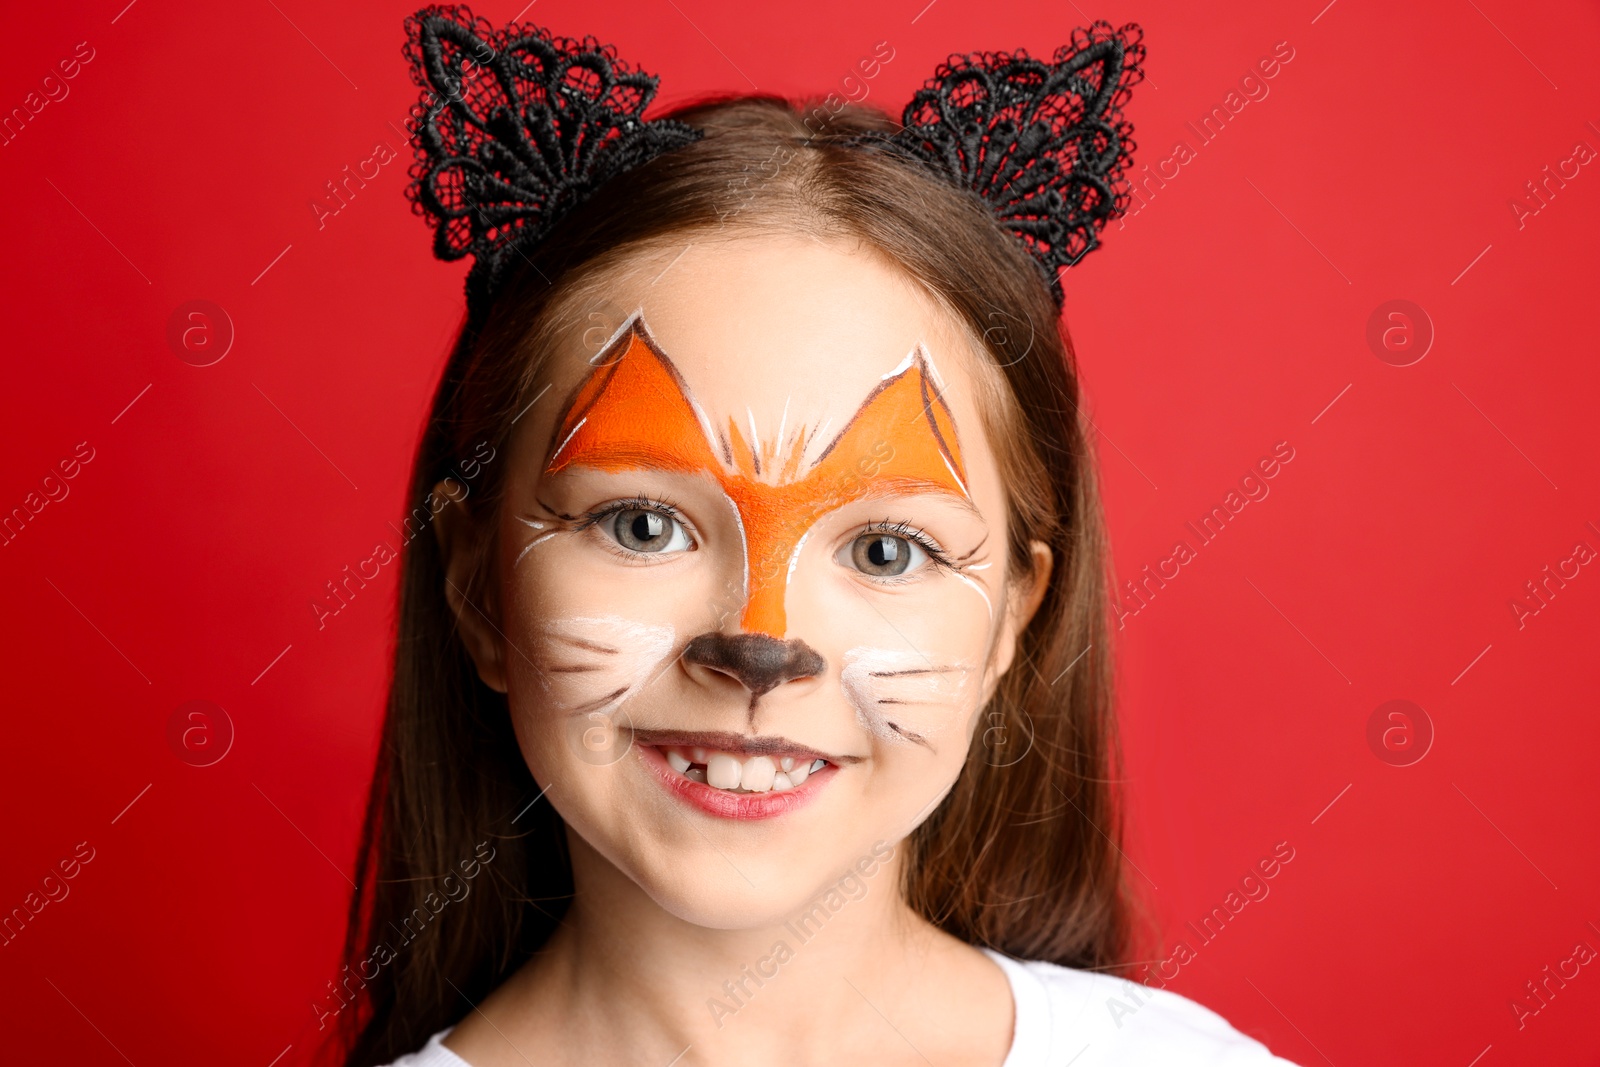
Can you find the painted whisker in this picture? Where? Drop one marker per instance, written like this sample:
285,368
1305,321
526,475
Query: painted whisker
586,645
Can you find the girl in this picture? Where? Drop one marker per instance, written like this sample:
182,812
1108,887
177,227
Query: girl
750,696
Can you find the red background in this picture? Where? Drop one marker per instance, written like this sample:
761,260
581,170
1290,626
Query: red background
1221,319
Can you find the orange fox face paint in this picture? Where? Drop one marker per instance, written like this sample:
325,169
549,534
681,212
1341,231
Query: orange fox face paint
635,411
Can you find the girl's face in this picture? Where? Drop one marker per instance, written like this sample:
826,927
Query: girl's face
751,572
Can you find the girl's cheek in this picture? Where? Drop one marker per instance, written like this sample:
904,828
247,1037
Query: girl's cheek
590,634
906,661
906,698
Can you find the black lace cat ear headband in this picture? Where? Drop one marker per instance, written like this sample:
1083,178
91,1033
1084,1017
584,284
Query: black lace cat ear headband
519,127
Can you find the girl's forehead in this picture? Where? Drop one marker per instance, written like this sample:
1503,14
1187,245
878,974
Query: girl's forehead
760,327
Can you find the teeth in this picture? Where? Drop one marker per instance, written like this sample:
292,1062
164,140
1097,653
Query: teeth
723,771
753,774
759,774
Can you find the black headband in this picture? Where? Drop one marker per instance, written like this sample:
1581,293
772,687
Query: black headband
519,127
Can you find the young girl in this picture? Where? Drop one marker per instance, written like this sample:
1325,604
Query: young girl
750,697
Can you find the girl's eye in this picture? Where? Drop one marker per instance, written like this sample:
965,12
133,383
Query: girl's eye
883,555
650,532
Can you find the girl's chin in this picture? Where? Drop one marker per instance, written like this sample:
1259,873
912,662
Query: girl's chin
725,907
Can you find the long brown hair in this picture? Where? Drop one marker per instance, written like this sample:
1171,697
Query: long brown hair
460,879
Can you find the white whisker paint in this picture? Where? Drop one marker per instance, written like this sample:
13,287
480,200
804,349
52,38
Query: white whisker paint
641,648
979,590
541,539
870,675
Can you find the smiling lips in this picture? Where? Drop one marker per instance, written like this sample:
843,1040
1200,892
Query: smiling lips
726,771
737,776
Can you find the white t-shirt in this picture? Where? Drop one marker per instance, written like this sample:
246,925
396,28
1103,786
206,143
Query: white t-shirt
1067,1017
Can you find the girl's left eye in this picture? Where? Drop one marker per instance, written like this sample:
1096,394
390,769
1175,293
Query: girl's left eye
883,555
648,532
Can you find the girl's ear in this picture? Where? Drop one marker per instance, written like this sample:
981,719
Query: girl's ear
1023,598
461,548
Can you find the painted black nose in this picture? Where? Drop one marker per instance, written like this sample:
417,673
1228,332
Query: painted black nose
759,662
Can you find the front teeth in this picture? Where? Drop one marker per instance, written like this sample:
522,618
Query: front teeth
724,771
753,774
758,775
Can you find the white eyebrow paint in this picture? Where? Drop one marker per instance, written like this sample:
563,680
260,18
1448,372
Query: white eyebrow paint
903,366
933,368
565,441
705,427
954,475
794,558
637,316
920,354
744,547
818,438
919,351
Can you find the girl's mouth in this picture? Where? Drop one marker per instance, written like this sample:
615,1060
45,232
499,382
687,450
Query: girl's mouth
738,774
735,785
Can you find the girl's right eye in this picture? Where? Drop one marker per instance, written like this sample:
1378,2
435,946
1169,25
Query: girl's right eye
647,532
883,555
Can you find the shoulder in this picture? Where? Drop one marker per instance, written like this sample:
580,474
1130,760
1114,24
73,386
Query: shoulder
1103,1019
433,1054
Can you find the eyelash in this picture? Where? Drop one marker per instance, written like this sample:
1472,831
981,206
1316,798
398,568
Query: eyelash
896,528
935,551
636,503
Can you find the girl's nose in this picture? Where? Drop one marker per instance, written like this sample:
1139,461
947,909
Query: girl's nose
756,661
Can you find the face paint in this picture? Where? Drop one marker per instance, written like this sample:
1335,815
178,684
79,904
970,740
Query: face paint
890,690
635,411
594,664
976,588
539,540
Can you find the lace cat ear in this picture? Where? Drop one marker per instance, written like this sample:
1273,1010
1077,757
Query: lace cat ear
518,127
1043,143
